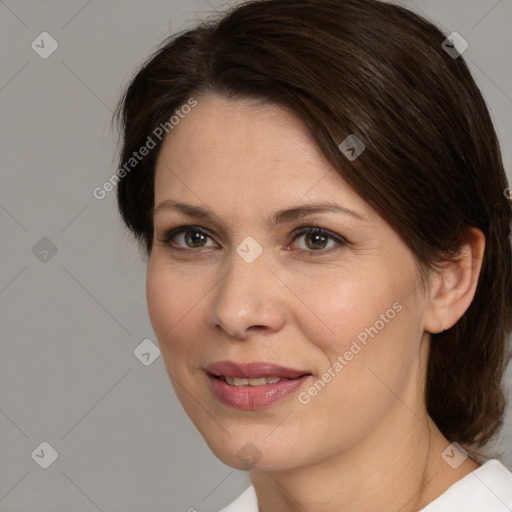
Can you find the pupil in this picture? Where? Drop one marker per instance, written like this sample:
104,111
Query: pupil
316,238
194,237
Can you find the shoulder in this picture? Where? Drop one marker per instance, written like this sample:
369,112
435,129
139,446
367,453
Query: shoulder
246,502
488,488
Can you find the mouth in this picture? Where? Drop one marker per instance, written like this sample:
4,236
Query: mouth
254,381
253,385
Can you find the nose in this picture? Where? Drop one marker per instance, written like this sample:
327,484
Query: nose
248,299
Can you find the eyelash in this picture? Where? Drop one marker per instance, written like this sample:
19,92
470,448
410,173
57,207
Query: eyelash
168,236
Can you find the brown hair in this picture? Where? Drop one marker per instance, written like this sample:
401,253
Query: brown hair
432,165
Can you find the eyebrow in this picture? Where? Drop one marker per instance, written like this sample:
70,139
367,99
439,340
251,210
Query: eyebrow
279,217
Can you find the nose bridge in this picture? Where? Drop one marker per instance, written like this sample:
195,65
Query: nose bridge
247,295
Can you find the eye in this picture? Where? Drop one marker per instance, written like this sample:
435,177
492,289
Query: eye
317,239
186,237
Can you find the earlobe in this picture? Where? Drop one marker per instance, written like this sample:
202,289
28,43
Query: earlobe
452,289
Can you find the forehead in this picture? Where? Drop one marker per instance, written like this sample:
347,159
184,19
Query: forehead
243,152
224,130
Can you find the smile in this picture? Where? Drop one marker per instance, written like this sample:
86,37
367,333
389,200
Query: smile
255,385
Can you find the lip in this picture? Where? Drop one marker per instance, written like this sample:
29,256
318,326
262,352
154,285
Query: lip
253,370
254,397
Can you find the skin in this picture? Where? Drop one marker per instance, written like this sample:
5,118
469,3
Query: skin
365,441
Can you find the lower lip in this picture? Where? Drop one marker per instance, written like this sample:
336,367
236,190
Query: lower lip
254,397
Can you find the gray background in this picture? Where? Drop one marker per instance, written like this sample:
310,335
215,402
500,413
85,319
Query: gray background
70,324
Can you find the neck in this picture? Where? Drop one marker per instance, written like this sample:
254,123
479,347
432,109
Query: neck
397,467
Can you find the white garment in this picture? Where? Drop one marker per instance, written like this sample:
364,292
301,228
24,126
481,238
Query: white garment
486,489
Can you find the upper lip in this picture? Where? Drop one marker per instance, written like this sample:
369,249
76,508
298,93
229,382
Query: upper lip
253,370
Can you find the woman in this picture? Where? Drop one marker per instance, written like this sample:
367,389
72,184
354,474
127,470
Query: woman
320,191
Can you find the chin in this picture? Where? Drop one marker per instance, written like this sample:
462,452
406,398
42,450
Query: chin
245,452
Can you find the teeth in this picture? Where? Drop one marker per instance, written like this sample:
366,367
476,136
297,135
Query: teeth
258,381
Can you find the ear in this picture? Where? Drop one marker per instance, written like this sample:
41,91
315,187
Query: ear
452,289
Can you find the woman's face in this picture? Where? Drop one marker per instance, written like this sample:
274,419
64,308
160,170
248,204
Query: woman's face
341,310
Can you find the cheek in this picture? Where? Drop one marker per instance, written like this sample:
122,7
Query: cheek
346,304
171,302
365,324
367,339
